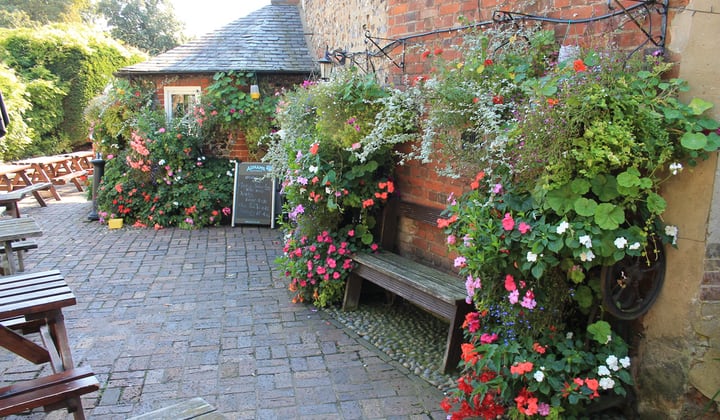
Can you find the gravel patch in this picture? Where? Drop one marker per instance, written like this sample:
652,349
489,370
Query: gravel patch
413,338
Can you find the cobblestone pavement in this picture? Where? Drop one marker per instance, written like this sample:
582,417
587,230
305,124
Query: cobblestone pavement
165,316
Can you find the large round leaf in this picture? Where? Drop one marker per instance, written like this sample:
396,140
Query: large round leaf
609,216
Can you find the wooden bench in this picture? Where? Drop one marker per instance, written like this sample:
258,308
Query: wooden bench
53,392
10,199
441,293
20,247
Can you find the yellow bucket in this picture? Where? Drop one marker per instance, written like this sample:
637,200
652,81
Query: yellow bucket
115,223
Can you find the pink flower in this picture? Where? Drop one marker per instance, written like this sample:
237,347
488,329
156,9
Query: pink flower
451,239
524,228
510,283
529,300
508,222
488,338
514,296
374,247
460,262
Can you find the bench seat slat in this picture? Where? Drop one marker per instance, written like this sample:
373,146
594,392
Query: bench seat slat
48,390
443,285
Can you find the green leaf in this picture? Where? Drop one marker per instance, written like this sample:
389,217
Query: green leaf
585,206
713,142
367,238
537,271
548,90
708,124
698,106
629,178
580,186
693,141
600,331
655,203
592,58
609,216
605,187
584,296
561,199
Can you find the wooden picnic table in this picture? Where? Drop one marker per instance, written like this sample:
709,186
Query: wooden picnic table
56,169
15,184
33,303
14,230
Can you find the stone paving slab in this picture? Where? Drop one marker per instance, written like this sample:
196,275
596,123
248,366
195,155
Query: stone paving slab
166,316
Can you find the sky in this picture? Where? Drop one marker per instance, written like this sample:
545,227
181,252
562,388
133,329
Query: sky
202,16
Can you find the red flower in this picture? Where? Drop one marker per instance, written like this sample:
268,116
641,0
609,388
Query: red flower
552,102
488,62
314,148
368,203
521,368
538,348
438,51
425,54
497,99
476,183
443,223
469,353
464,386
579,66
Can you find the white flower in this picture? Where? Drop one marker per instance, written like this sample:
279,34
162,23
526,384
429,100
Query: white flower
531,256
612,362
620,242
585,240
671,230
563,227
676,167
161,162
229,173
603,371
175,203
587,256
539,376
313,169
569,336
625,362
606,383
636,245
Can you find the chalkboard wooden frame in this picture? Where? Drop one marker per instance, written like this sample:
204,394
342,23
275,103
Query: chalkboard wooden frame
254,195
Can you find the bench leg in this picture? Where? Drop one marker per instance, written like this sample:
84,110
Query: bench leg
353,286
453,350
39,198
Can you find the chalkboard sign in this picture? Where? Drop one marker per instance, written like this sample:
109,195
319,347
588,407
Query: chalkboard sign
255,199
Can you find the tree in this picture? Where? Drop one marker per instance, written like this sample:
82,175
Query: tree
149,25
22,13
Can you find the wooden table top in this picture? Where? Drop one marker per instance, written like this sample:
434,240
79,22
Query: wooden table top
12,168
26,294
44,160
18,228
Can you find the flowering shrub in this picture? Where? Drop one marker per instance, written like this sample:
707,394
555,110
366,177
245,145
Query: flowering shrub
156,173
572,155
319,267
334,154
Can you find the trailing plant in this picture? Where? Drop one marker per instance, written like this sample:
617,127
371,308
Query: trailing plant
568,161
334,154
228,110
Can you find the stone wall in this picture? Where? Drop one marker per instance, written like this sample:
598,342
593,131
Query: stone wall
677,369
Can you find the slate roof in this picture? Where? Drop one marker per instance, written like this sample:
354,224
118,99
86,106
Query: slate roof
269,40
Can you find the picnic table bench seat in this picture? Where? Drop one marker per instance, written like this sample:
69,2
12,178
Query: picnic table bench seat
19,248
73,177
55,391
10,199
436,291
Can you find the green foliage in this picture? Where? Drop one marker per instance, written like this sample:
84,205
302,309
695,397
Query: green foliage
24,12
334,154
64,67
149,25
571,157
228,109
19,135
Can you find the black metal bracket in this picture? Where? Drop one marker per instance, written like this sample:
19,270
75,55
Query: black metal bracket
650,8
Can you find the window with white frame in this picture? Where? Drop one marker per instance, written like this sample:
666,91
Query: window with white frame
179,100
